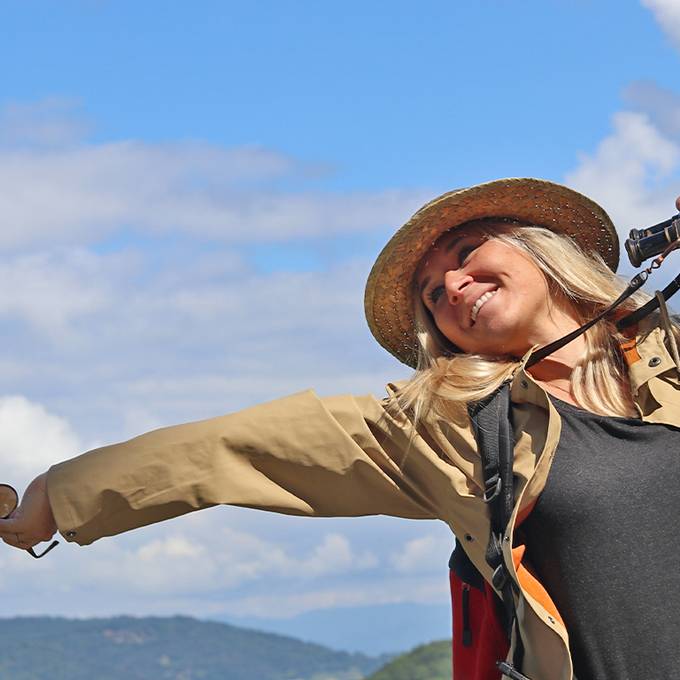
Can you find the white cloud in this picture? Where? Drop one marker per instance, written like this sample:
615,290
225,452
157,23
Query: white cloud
333,555
633,173
423,554
32,439
388,590
83,192
667,15
49,290
119,334
132,333
210,561
120,343
173,547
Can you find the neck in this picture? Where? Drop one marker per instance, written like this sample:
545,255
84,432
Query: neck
561,362
554,372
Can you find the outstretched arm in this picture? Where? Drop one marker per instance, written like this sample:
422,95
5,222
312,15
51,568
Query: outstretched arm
302,455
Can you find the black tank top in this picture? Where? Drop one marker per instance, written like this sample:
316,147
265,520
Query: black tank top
604,539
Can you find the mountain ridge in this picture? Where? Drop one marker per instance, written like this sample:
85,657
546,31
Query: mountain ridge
165,648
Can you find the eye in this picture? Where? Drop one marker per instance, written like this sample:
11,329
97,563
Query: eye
465,252
435,294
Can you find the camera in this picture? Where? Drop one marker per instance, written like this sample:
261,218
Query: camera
645,243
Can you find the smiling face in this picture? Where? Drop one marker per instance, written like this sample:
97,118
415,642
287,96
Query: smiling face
487,296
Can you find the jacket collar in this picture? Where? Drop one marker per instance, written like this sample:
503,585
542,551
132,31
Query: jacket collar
644,352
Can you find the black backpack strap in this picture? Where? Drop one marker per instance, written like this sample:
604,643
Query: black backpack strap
492,427
493,432
461,565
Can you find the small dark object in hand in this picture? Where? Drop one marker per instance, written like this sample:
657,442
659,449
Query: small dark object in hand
9,499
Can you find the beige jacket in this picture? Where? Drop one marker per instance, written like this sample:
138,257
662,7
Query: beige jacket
346,456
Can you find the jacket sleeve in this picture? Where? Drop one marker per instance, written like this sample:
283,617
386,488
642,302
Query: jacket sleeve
301,455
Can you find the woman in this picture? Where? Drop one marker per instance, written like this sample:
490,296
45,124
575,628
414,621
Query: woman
464,292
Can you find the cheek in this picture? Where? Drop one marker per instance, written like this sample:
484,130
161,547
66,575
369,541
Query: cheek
526,276
450,328
536,287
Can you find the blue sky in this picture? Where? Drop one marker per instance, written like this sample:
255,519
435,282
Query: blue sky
192,196
430,94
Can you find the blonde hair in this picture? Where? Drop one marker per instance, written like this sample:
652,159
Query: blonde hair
599,383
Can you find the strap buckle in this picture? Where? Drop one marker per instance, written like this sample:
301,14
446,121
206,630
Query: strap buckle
492,488
500,577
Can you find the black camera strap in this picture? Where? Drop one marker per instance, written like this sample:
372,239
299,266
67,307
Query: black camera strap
646,309
629,320
635,284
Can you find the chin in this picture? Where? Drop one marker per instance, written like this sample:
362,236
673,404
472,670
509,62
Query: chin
499,344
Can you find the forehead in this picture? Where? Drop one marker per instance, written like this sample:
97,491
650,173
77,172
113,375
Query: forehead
449,239
446,244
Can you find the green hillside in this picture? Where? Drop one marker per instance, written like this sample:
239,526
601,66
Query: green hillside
178,648
427,662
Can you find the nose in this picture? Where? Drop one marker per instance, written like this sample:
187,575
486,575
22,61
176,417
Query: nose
455,283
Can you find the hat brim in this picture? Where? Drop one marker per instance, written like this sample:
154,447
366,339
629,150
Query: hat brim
389,303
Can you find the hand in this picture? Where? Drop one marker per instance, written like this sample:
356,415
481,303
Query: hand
32,522
677,203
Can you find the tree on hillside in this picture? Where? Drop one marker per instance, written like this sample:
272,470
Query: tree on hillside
427,662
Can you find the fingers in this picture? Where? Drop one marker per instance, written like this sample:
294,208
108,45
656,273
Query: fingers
12,525
677,203
12,535
18,532
8,530
16,541
21,541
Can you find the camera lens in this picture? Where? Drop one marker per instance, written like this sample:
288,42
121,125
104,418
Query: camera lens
633,250
9,499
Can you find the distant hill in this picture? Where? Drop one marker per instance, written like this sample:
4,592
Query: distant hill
372,630
177,648
427,662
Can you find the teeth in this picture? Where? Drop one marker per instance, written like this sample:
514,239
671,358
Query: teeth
478,305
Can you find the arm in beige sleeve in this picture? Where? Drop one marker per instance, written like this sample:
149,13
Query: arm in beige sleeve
301,455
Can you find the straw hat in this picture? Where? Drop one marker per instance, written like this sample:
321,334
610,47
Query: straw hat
389,299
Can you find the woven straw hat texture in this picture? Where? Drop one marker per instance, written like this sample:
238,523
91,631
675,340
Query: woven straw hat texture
390,295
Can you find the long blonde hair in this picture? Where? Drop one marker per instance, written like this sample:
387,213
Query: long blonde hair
598,381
